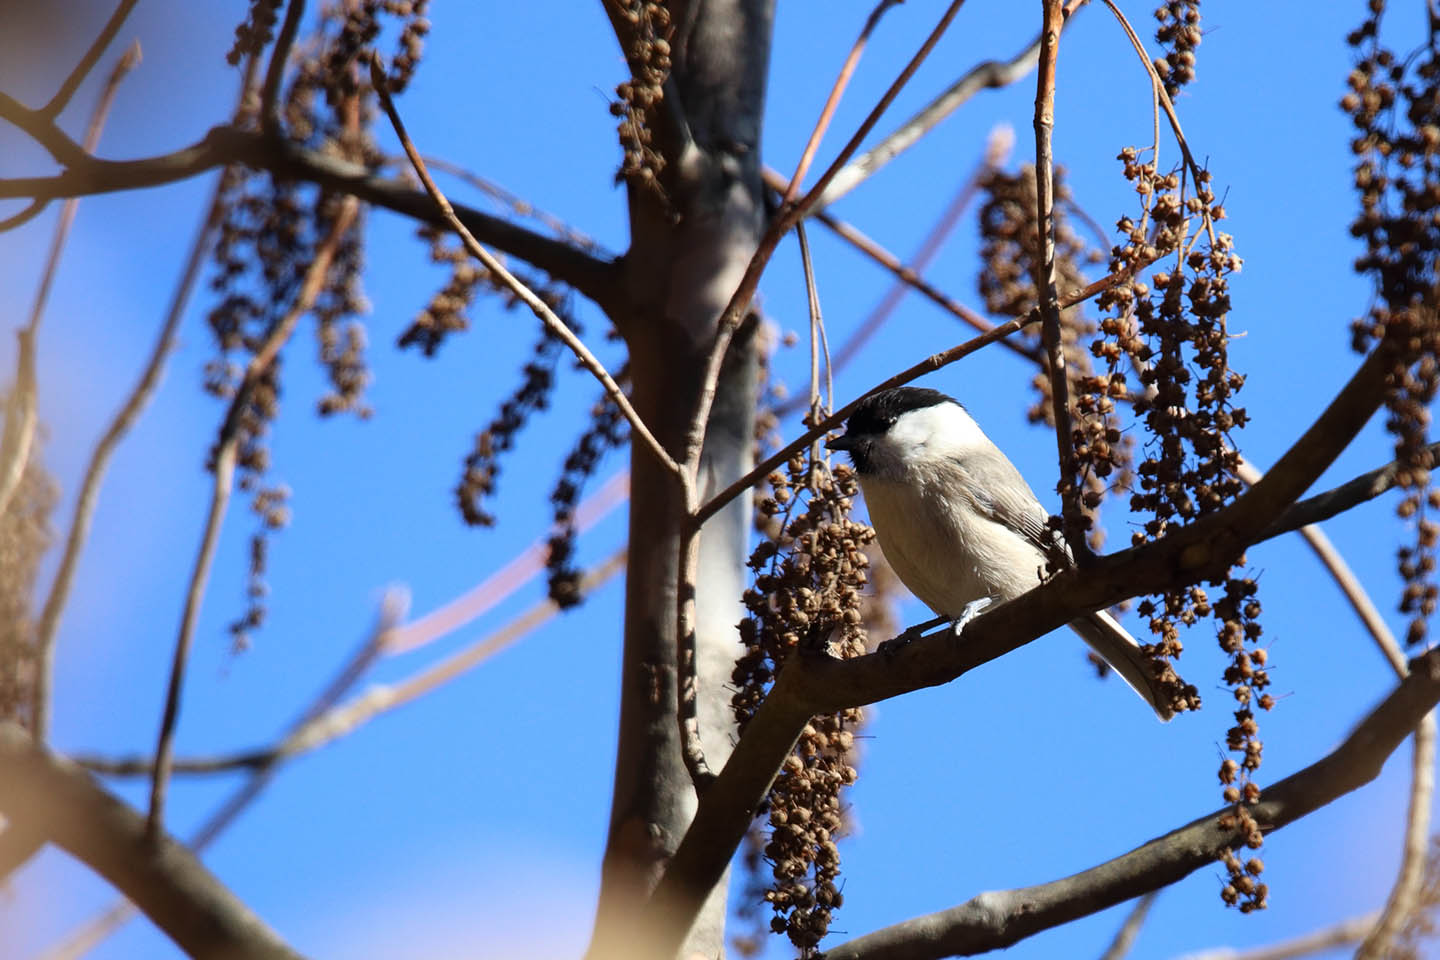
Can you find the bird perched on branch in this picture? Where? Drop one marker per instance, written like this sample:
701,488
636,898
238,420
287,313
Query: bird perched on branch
959,524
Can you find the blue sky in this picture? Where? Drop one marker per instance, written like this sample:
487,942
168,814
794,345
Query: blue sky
471,822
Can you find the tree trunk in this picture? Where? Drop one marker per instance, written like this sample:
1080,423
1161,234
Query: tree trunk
688,251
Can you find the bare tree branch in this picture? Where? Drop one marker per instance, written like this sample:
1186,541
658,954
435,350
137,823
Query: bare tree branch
393,607
323,727
87,63
17,845
739,305
223,145
49,794
1125,937
837,90
88,497
988,75
1406,892
21,416
1046,294
31,210
1336,501
1326,938
998,919
813,682
224,469
547,316
275,72
929,365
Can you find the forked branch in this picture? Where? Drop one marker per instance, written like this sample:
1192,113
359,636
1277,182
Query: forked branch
46,793
997,919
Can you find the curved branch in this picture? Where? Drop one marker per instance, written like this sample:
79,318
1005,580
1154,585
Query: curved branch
993,920
46,793
1336,501
87,63
275,72
988,75
592,276
1341,934
813,683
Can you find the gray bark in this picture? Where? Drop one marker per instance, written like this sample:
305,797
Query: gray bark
688,252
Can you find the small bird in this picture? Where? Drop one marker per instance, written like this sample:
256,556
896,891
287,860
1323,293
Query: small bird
959,524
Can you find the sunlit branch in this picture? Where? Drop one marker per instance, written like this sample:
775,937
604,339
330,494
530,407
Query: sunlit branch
51,795
226,453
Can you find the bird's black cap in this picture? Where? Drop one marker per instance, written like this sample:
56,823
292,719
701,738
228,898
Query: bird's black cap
876,413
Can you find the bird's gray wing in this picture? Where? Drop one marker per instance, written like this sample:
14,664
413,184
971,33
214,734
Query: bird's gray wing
999,493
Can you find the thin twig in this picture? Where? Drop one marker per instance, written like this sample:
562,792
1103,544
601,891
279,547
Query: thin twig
87,63
837,90
1406,891
130,410
32,210
547,316
928,365
853,236
501,584
21,413
1337,500
224,469
739,305
812,298
519,206
988,75
123,66
1159,87
1069,487
393,606
331,720
275,72
1326,938
88,497
1125,937
53,796
687,679
907,277
21,418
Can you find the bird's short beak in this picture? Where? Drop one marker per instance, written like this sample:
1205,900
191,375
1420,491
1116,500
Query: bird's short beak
842,442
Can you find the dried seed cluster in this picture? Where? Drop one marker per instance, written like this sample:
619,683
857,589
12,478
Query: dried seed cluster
255,32
1179,34
608,430
445,313
638,103
482,464
1394,104
1009,252
271,505
270,232
25,535
1172,331
809,573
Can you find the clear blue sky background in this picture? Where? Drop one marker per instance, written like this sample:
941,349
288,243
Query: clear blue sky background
471,823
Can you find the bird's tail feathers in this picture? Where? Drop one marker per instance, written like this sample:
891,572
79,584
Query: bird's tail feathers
1116,647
